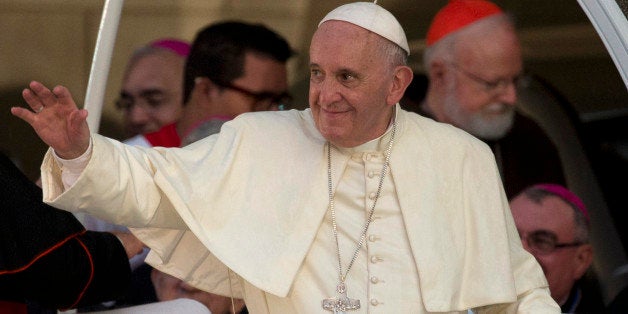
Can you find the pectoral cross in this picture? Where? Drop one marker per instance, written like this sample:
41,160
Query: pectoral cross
342,302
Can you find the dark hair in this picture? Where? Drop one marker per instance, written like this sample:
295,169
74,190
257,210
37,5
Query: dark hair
218,51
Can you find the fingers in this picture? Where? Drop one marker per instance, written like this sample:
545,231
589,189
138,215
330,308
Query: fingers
32,100
39,96
23,114
44,95
62,94
78,117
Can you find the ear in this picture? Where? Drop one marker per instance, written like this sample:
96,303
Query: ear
584,258
437,73
402,76
204,89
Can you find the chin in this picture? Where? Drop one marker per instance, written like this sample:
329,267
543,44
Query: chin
332,137
330,129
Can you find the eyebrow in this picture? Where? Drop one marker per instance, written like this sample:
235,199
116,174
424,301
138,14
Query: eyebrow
341,70
350,71
143,93
151,92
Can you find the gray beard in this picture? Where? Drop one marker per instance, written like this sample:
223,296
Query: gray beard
491,123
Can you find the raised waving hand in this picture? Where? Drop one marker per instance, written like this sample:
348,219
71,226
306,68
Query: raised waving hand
56,119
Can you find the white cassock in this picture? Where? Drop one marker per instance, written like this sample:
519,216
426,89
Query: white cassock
256,197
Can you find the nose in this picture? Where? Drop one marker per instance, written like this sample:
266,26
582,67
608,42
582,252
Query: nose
138,118
137,114
509,95
327,92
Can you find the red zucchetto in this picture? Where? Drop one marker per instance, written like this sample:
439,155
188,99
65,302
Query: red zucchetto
458,14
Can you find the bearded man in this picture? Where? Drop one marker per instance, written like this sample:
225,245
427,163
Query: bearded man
473,62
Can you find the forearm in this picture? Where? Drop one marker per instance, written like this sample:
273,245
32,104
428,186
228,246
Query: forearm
116,183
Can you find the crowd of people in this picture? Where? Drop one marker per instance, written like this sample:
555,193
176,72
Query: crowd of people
458,203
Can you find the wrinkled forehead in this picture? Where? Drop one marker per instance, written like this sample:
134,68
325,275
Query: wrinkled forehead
338,40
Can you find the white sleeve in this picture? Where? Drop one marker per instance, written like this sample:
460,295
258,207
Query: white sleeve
71,169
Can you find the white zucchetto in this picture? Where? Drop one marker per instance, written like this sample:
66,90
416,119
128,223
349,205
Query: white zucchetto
372,17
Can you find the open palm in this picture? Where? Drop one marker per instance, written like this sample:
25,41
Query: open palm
56,119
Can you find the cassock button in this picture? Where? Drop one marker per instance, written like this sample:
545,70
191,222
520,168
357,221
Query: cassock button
373,238
374,302
374,280
375,259
371,174
372,195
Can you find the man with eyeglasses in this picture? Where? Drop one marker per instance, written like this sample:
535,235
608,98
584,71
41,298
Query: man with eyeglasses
473,62
553,224
233,68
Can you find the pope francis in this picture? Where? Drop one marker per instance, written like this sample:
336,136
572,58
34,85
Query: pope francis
352,205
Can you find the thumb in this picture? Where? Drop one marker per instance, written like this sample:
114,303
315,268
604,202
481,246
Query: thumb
78,121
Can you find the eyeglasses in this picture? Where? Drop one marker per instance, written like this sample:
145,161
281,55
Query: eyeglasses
495,87
263,100
546,242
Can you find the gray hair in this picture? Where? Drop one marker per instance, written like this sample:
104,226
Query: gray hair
445,49
145,51
392,53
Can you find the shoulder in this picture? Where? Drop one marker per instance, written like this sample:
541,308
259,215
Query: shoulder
525,127
527,135
525,122
279,118
275,124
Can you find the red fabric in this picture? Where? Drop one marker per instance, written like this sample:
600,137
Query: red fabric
458,14
91,275
167,136
8,307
